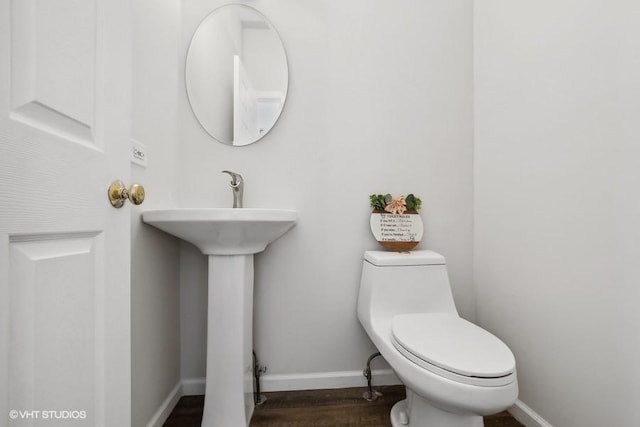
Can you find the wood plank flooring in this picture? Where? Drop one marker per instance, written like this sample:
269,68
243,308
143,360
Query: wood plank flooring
317,408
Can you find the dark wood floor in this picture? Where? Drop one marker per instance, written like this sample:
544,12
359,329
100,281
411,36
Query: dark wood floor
317,408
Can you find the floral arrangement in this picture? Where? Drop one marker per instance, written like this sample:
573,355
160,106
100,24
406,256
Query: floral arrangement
397,205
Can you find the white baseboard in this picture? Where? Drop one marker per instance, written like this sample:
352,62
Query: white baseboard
324,380
527,416
166,407
314,381
318,381
193,386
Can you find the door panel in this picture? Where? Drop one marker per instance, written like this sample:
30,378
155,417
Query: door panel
65,108
53,59
56,322
245,115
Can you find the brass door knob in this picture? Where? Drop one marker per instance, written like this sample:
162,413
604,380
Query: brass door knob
119,194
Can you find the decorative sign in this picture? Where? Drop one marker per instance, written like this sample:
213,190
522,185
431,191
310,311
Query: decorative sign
397,228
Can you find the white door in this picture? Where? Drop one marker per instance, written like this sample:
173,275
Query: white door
245,111
65,104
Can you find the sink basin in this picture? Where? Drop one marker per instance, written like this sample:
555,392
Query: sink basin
224,231
230,237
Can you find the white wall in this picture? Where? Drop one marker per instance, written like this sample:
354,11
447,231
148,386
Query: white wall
155,257
380,100
261,55
557,211
210,74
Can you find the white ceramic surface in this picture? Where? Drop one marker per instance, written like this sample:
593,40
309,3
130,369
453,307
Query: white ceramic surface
229,237
418,282
224,231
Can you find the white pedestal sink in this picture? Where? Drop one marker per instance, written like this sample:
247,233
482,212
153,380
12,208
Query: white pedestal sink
229,237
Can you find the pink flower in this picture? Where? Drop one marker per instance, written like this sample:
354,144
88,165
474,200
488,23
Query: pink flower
396,206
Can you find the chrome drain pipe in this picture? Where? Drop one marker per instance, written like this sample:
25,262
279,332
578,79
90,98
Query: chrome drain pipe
370,395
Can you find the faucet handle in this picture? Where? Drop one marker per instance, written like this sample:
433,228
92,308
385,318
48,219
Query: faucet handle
236,187
236,178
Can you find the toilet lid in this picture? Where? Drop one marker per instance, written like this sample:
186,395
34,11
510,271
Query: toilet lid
449,345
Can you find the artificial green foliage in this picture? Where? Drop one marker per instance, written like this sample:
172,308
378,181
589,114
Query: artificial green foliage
378,202
413,203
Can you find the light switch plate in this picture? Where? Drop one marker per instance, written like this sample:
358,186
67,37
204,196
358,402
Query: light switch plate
138,153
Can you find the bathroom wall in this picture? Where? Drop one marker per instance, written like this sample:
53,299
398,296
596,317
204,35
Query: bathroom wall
212,96
557,207
380,100
155,256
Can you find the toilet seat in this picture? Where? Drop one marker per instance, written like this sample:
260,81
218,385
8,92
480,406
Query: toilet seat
453,348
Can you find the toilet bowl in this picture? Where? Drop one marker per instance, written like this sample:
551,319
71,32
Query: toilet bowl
454,371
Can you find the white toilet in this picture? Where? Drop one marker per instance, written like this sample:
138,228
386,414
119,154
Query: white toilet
454,371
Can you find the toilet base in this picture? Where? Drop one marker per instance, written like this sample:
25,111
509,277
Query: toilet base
414,411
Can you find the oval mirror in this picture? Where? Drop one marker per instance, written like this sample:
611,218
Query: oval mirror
236,75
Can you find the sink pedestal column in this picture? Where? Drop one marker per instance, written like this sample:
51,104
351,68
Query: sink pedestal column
229,383
230,237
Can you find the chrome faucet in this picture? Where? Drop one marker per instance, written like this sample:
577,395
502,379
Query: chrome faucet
237,185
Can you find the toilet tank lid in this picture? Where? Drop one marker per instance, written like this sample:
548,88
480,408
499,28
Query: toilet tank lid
384,258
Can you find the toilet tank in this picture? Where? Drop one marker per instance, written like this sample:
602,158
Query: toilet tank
403,282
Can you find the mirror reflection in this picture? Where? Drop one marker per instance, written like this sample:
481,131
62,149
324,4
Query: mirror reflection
236,75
